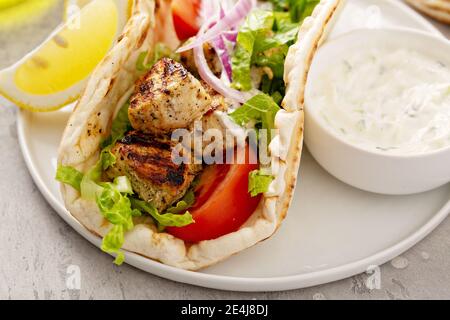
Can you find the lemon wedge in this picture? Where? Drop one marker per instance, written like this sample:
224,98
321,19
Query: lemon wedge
55,73
72,7
9,3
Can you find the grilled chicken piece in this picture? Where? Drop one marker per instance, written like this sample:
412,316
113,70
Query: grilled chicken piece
147,161
187,59
211,120
167,98
217,100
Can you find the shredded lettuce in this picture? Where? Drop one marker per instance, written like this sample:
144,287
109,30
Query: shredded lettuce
107,159
258,182
115,207
90,187
70,176
260,109
113,242
298,9
264,40
301,9
123,185
119,127
273,87
160,51
121,124
283,33
112,201
184,204
274,59
280,5
114,204
163,220
250,39
277,97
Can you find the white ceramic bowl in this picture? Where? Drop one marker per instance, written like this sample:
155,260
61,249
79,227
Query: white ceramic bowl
362,168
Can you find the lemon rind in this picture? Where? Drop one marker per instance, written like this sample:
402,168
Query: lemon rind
51,108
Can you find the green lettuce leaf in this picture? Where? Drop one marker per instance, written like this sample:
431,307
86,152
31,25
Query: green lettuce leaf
277,97
113,242
254,31
260,109
123,185
263,41
90,187
301,9
284,32
274,59
273,87
280,5
184,204
121,125
163,220
258,182
115,207
111,199
160,51
298,9
107,159
70,176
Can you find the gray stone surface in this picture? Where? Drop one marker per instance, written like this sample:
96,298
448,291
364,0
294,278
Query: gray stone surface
38,246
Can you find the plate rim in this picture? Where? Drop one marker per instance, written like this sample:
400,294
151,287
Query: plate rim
242,284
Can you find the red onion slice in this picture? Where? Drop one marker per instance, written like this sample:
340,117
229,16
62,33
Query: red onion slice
231,19
217,84
230,36
222,51
207,75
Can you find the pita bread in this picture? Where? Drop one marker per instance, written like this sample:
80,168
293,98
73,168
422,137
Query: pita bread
440,5
109,87
436,9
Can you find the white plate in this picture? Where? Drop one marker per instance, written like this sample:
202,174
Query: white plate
332,231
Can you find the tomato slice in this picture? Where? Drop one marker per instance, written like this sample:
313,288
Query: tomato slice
222,204
185,17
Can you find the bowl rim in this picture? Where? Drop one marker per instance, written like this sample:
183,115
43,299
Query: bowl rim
332,133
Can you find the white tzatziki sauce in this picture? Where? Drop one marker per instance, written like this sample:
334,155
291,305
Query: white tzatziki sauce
391,100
